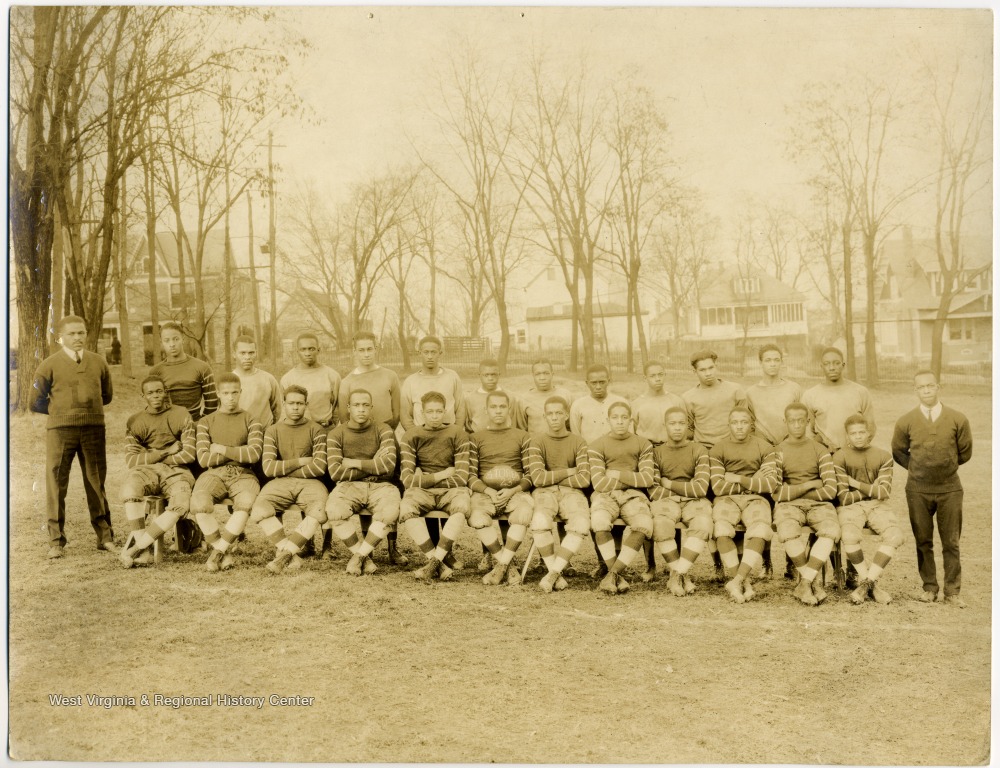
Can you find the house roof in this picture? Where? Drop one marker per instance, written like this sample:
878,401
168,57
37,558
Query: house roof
718,290
166,252
561,311
907,257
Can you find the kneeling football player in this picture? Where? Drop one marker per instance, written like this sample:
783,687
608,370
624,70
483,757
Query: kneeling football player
679,495
498,457
621,468
362,457
434,470
560,470
742,468
295,457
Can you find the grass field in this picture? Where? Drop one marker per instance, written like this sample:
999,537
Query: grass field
459,672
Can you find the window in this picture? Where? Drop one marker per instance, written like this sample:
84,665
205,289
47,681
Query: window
522,336
717,316
751,316
786,313
177,301
960,329
746,285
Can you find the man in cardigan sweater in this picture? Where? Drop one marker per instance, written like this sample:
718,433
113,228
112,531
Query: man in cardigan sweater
931,442
294,455
159,447
361,455
229,443
72,387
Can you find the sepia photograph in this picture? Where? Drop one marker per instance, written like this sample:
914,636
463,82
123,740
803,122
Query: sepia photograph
408,384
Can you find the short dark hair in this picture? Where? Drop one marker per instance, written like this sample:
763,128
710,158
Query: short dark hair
741,409
244,339
620,404
649,364
831,350
149,379
926,372
796,406
67,319
489,362
170,325
770,348
498,393
432,340
433,397
228,378
297,389
307,335
362,336
541,361
856,418
674,409
597,368
362,391
703,354
556,400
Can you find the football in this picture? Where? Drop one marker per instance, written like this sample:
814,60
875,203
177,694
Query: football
499,478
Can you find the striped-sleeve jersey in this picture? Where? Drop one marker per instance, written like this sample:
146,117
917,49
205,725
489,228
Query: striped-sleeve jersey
147,435
242,436
347,441
285,443
752,457
190,384
801,461
548,454
630,455
682,471
490,448
432,451
872,466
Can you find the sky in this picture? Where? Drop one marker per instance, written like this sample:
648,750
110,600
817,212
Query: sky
724,76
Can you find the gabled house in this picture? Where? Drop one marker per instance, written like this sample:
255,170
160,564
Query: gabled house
910,293
173,304
735,314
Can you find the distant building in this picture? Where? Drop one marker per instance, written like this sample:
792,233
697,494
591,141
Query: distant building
174,305
737,315
910,292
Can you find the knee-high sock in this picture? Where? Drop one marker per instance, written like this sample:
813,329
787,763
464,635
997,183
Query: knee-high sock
376,532
297,539
631,546
818,556
753,556
545,543
796,550
233,528
856,556
273,529
163,522
882,557
668,548
727,552
347,532
568,547
693,546
416,527
452,527
209,527
490,538
515,535
606,547
135,515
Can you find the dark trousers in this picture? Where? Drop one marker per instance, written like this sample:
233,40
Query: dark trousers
948,509
61,445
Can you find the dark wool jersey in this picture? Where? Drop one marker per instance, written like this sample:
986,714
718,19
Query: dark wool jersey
72,394
797,463
686,463
239,431
546,453
284,441
631,455
932,451
491,448
872,466
432,451
745,459
347,441
188,381
146,432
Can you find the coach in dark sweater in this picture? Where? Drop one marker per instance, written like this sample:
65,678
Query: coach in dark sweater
931,442
72,387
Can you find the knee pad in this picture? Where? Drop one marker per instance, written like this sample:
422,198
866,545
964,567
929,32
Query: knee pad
788,530
259,512
700,527
851,534
829,529
892,537
478,519
724,529
201,503
541,520
759,531
663,528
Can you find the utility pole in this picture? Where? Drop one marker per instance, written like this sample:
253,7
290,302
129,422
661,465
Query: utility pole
272,248
253,274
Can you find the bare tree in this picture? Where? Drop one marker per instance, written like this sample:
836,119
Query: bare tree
820,251
961,121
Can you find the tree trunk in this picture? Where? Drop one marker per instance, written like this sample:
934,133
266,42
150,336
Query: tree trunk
502,318
154,299
845,233
643,348
871,354
937,330
121,273
253,274
57,272
629,298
